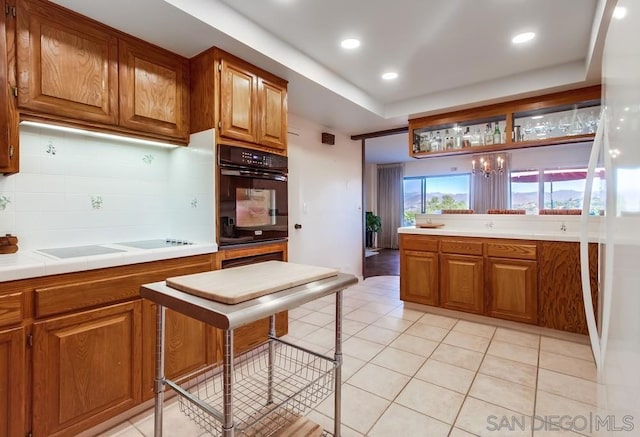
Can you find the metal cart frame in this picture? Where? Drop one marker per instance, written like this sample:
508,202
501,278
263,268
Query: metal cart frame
230,317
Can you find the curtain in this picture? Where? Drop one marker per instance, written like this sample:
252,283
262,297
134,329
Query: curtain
491,192
390,208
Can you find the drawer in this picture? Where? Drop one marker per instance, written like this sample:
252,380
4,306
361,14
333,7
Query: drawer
462,247
10,309
418,242
79,295
512,250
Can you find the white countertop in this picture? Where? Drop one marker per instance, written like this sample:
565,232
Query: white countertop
520,227
32,264
516,235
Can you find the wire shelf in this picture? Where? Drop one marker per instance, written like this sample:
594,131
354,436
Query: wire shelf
300,380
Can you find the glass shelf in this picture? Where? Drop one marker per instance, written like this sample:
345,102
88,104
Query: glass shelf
559,118
575,120
456,136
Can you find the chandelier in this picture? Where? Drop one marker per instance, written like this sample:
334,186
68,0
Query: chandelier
486,166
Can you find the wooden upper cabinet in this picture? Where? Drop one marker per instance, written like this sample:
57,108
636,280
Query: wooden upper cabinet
12,383
272,99
238,102
154,90
67,66
86,368
8,114
247,105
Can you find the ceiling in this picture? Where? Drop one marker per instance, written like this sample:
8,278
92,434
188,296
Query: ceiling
449,54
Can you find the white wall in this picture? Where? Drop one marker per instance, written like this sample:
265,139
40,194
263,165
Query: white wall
325,197
75,189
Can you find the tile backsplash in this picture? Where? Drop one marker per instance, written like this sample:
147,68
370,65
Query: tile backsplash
76,189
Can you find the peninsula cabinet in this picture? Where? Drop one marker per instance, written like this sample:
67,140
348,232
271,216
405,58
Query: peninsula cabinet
247,105
12,382
77,71
534,282
419,270
86,368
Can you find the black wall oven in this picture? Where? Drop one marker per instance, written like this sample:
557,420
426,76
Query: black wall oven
252,196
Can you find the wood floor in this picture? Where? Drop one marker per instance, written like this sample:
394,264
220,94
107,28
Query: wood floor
385,263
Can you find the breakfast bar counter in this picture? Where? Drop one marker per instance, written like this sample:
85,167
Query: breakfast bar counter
520,268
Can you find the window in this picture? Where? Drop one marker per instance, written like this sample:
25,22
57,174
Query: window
533,190
430,194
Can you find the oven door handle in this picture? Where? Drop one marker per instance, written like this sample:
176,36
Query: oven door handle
254,174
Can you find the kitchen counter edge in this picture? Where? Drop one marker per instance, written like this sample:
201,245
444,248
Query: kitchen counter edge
29,264
506,234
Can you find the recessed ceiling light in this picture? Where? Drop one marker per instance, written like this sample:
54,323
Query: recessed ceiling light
619,12
390,75
350,43
523,37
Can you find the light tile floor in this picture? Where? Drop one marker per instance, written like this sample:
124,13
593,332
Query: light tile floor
413,373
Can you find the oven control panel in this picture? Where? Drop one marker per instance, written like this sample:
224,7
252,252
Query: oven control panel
239,156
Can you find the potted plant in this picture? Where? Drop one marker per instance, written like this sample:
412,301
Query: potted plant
373,225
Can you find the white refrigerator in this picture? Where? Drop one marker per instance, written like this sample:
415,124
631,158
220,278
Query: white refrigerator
615,338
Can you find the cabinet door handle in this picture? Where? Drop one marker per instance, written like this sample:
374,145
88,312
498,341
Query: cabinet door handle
297,226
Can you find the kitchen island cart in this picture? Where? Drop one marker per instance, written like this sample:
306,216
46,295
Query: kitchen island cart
267,389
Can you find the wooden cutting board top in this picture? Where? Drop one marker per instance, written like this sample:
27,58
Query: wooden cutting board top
239,284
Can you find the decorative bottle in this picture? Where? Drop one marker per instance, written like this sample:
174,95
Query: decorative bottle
488,135
497,138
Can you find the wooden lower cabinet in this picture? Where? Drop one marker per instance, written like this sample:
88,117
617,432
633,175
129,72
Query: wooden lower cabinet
12,382
189,346
462,283
86,368
513,289
561,302
419,277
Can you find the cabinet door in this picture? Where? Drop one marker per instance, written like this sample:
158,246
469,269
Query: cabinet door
154,90
86,368
12,383
462,283
8,113
238,103
513,286
67,66
273,114
419,277
186,344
